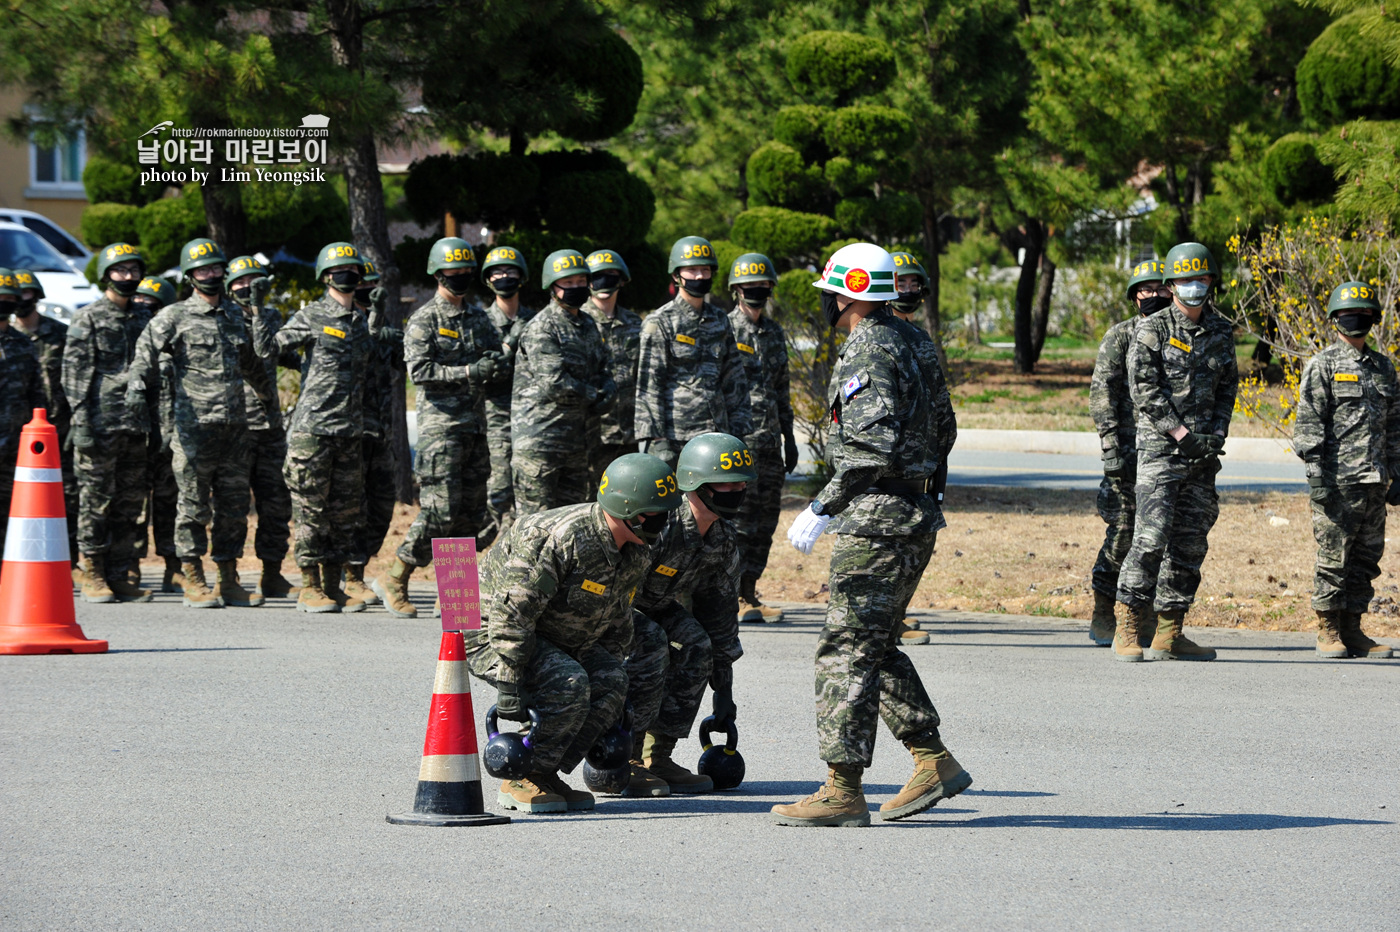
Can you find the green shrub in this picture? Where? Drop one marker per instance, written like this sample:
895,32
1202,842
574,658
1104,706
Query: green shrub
300,218
864,130
1292,170
108,223
598,206
776,231
609,78
167,224
411,256
841,64
106,181
1345,74
800,127
777,177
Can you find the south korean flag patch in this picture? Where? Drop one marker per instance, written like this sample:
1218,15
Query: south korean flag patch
856,383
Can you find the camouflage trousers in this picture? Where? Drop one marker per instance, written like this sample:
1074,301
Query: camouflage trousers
500,492
647,662
1176,507
270,495
673,657
164,500
668,450
763,503
326,479
578,698
1117,506
600,457
451,493
9,456
545,482
70,484
862,675
1349,527
210,462
377,504
111,492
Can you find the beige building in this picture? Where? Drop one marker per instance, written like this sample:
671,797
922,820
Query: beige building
48,181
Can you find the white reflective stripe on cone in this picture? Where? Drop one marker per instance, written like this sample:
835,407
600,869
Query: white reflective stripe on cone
37,540
450,768
35,474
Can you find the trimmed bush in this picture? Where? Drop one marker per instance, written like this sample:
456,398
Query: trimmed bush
609,76
167,224
776,231
801,127
865,130
300,218
842,64
599,206
108,223
1292,170
1345,75
776,176
105,181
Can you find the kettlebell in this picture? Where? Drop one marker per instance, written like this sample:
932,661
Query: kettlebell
509,755
607,768
724,765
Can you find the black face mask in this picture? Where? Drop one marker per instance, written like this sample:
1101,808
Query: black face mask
572,297
147,303
505,286
456,285
27,307
207,286
650,526
362,295
722,503
345,280
125,288
756,297
7,308
605,283
907,302
242,295
1154,304
697,287
1354,323
831,309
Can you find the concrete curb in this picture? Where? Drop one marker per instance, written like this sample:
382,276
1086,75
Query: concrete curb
1085,443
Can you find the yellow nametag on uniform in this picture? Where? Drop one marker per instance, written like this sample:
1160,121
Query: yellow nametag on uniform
745,347
595,588
449,333
1346,377
685,339
665,570
334,332
1185,348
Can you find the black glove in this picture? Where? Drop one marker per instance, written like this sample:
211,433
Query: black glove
603,400
790,453
511,702
1317,489
377,299
511,343
259,290
1114,464
1194,446
483,370
940,481
722,682
1216,443
1392,496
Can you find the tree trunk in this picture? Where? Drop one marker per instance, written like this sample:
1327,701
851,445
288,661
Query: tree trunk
223,210
1022,329
933,317
1040,319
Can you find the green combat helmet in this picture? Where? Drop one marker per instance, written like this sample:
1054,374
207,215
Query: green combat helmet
691,250
157,288
450,252
115,254
1189,260
27,280
336,255
906,264
370,274
1363,303
505,256
198,253
636,484
1152,270
606,272
907,302
9,285
752,267
562,263
243,266
716,457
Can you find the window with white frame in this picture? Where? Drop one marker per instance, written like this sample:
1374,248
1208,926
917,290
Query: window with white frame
58,168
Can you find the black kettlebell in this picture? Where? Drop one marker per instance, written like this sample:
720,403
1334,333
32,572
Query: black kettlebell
607,768
509,755
724,765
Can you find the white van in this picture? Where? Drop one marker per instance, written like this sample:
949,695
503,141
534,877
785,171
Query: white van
64,290
66,243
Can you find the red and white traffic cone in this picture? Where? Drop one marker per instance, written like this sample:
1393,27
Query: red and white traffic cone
36,585
449,780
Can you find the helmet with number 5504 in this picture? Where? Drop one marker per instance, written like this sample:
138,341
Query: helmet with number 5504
450,252
1188,260
636,483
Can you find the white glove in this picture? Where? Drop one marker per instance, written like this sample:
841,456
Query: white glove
805,530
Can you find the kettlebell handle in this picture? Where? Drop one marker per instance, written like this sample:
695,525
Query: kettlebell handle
493,729
709,726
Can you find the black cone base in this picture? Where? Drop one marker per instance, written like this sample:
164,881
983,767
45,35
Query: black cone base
447,821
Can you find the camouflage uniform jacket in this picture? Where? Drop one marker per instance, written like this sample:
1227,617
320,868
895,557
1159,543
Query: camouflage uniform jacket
386,367
1348,424
558,575
97,364
622,337
1182,373
49,338
498,394
763,348
336,345
21,382
212,352
706,568
945,421
690,378
440,341
884,429
1110,401
560,364
268,325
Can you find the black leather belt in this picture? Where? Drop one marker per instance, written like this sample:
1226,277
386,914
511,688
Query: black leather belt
888,486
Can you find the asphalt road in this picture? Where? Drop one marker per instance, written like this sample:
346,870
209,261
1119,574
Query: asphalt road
232,769
1063,471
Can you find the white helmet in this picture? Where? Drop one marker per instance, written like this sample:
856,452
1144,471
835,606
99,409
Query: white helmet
860,270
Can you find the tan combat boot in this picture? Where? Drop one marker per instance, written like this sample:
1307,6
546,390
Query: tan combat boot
754,611
643,783
197,591
1357,643
125,590
1171,644
908,635
392,589
574,800
230,588
839,802
1329,635
330,584
312,598
529,794
94,581
272,583
1103,623
355,584
656,757
937,776
174,578
1127,640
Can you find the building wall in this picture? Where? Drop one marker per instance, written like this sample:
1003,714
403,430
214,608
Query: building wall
64,207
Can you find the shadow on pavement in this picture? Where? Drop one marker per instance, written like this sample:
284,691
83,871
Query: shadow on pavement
1012,793
1182,822
173,650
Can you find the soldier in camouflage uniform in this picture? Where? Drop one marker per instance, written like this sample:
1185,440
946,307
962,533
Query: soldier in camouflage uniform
162,501
1111,406
109,441
208,344
886,523
49,337
386,367
504,271
690,377
1183,378
762,347
249,285
1348,433
610,432
556,622
453,357
561,380
21,387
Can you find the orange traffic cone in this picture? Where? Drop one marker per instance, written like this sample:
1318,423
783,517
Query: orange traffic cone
449,781
36,585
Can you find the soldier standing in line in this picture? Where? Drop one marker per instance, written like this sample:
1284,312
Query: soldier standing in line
690,378
561,380
762,346
249,285
504,271
886,524
212,353
109,439
610,433
1348,433
1111,406
154,295
453,356
385,367
21,387
556,622
1183,376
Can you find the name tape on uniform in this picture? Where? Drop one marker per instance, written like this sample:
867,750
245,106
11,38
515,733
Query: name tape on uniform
682,338
665,570
1184,347
1346,377
593,587
449,333
745,347
338,334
